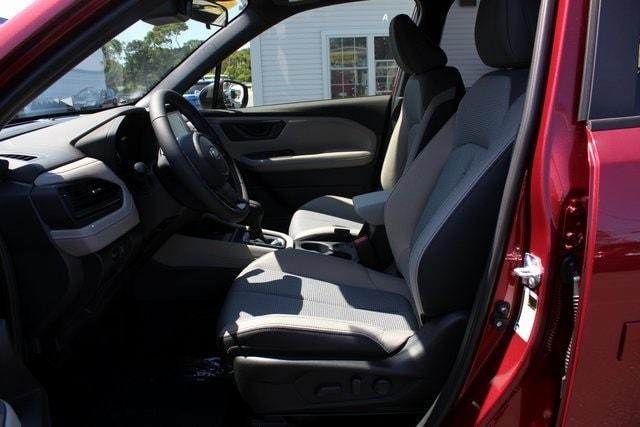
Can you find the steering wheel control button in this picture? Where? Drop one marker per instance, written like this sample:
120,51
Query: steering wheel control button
215,153
382,386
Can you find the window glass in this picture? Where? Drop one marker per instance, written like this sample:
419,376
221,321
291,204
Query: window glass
126,67
8,9
332,52
458,41
386,67
611,83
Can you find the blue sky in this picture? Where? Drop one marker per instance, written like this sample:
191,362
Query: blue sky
197,30
9,8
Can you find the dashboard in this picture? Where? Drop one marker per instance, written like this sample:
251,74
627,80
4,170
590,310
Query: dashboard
79,200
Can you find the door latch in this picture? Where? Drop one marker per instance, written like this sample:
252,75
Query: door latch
531,272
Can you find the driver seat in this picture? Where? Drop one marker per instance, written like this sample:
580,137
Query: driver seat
308,333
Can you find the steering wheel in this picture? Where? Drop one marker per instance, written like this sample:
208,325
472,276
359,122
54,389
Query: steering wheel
203,166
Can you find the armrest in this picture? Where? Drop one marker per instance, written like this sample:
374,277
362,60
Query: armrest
370,206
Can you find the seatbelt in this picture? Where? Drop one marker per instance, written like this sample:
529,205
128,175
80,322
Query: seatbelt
395,112
364,248
372,247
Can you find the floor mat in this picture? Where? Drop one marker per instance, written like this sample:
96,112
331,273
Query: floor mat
147,394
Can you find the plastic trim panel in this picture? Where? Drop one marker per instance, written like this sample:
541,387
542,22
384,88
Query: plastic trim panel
102,232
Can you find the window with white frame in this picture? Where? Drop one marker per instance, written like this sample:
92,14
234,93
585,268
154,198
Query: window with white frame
359,65
348,64
386,67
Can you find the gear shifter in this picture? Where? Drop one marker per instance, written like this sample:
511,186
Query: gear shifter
254,221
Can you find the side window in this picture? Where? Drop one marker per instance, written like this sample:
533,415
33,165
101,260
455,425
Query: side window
458,41
332,52
611,83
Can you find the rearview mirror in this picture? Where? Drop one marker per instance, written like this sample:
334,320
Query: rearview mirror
208,12
231,94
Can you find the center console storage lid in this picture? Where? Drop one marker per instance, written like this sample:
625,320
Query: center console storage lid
370,206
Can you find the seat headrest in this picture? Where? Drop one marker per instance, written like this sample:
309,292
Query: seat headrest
414,52
505,32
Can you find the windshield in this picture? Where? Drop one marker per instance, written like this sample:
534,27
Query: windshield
125,68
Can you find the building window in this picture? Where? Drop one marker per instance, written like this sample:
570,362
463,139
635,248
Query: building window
348,66
360,66
386,67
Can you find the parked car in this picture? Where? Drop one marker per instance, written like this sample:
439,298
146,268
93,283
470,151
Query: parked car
191,95
92,98
464,250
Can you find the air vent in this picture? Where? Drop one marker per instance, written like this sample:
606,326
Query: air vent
23,157
91,199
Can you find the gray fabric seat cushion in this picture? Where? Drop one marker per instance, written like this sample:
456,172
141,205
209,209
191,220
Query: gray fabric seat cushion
296,303
321,216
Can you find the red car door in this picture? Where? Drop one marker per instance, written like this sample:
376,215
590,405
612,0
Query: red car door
579,212
603,384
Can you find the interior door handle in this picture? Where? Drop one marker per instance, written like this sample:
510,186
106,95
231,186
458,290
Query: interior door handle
252,129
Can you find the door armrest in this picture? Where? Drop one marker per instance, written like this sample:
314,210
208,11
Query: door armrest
370,206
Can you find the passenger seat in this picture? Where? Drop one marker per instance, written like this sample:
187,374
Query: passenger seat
431,97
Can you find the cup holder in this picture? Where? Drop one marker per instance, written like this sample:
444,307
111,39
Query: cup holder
336,249
322,248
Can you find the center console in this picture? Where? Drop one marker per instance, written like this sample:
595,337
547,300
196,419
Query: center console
344,250
370,208
210,244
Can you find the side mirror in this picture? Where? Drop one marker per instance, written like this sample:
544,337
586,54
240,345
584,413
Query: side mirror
235,94
232,95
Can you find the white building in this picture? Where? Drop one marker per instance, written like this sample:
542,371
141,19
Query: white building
89,73
340,51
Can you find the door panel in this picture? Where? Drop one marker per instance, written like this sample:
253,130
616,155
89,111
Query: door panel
605,370
292,153
296,143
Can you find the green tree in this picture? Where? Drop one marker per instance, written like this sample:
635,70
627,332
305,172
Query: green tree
165,36
113,68
132,67
238,66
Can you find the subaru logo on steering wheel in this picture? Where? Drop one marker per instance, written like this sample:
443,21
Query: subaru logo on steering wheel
215,153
